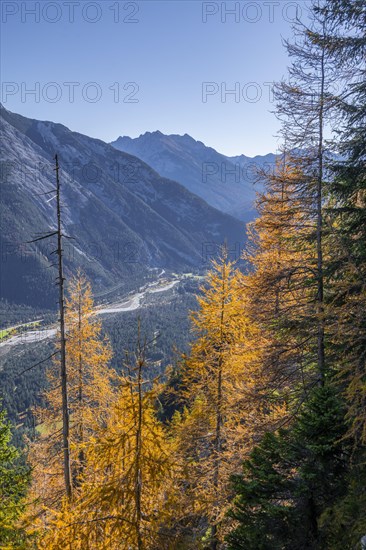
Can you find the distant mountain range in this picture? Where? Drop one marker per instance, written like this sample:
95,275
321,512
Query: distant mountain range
125,217
226,183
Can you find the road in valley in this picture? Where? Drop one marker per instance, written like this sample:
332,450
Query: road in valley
131,303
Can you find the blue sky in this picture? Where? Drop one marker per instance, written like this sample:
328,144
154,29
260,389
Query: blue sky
110,68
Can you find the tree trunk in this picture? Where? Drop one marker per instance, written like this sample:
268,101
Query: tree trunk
80,396
218,441
65,407
138,475
319,235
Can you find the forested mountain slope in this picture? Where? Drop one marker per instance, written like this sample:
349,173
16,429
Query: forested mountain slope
124,218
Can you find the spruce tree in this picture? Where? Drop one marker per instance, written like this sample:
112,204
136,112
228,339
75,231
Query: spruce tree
291,479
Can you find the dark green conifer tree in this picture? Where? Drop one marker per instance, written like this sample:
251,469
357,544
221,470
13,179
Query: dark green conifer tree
13,484
292,478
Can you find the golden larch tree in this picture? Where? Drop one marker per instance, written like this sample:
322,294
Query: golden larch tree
223,407
90,392
124,499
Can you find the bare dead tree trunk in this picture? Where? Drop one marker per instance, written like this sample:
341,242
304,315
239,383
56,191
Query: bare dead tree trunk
63,371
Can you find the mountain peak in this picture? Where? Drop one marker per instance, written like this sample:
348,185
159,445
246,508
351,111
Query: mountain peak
155,133
224,182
